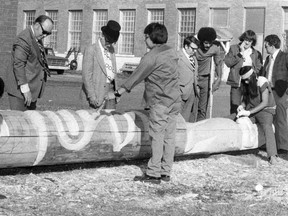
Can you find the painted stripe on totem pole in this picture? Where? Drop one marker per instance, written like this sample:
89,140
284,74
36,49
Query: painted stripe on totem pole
115,130
71,121
129,135
38,122
89,126
144,119
4,129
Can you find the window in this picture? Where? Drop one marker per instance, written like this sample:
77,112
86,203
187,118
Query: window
100,19
255,20
29,17
51,40
156,15
220,17
285,28
75,29
187,19
126,40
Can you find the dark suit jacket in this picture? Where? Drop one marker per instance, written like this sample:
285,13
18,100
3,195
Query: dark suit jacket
26,66
94,73
279,73
234,62
188,76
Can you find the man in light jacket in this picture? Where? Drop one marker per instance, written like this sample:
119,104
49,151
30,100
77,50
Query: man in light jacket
99,68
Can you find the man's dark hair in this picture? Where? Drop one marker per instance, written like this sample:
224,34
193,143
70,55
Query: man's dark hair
157,33
40,19
250,88
249,35
273,40
190,39
207,34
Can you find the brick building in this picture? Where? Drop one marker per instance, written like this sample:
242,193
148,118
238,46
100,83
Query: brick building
8,29
78,22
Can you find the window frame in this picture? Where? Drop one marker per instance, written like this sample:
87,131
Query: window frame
31,21
212,13
53,37
97,24
126,32
72,32
189,29
150,15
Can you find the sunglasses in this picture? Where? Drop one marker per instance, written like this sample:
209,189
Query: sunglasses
44,32
193,48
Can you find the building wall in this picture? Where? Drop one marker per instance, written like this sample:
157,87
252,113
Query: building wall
8,27
274,18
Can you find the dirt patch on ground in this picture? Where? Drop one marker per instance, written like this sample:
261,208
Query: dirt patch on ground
219,184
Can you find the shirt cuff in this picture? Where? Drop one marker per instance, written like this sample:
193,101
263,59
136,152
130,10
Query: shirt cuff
24,88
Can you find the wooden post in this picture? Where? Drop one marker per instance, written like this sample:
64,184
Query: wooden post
34,138
212,78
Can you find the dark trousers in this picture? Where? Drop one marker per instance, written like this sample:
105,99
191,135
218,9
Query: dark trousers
19,103
265,120
235,99
280,121
187,105
203,83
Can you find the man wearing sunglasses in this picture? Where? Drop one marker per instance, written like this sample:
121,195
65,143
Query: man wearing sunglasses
28,71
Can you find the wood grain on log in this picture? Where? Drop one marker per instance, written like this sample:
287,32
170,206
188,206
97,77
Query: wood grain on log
33,138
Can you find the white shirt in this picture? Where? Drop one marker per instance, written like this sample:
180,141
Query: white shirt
110,71
271,65
247,57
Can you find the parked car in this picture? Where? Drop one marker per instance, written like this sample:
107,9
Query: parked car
56,63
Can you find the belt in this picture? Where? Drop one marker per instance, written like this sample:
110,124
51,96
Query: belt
204,75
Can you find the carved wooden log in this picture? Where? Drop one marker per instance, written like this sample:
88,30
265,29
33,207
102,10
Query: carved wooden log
44,137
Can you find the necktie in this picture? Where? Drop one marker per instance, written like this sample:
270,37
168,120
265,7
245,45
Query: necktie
192,62
270,68
42,51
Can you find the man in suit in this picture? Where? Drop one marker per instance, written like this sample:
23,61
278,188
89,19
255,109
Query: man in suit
205,54
276,71
188,74
28,71
99,68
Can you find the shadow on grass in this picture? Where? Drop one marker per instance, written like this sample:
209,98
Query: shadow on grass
141,163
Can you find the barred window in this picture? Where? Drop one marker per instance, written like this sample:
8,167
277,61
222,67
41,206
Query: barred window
220,17
51,40
75,29
187,19
156,15
29,17
285,29
126,40
100,18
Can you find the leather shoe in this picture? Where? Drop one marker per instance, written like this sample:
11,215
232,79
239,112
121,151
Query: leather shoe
148,179
165,178
273,160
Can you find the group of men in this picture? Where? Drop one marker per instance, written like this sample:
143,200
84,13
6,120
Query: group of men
166,95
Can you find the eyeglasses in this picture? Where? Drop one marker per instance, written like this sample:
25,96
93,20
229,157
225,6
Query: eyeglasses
193,48
44,32
266,46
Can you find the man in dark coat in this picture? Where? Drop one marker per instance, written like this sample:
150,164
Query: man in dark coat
28,71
